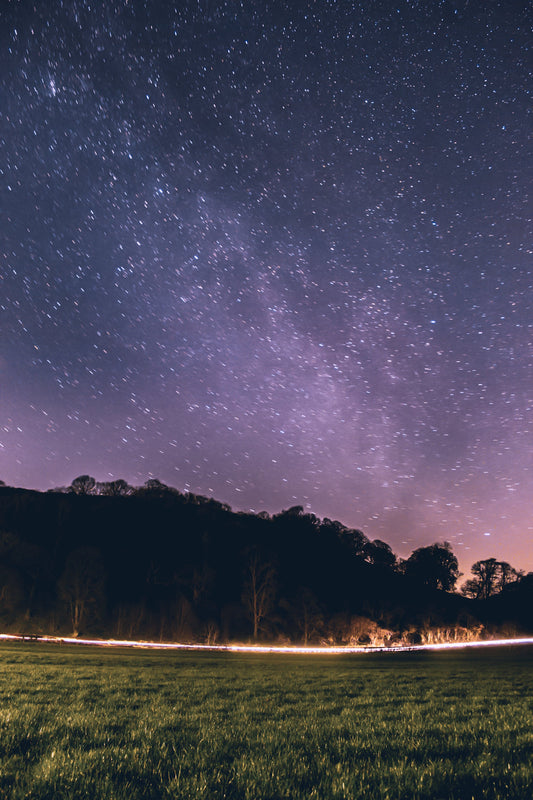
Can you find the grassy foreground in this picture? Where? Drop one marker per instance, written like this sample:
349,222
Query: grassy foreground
93,723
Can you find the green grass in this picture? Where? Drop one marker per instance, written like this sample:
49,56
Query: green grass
89,723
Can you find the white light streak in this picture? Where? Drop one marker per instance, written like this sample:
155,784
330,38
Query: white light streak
250,648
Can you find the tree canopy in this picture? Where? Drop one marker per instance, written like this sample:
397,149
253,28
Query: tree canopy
435,566
490,578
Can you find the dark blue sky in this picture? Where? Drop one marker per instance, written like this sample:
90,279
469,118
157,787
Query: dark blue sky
277,253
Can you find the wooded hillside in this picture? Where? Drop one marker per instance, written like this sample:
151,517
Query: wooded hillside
155,563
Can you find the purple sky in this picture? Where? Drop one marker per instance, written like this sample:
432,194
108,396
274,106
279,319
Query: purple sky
277,253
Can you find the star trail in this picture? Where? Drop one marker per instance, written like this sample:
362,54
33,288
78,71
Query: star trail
275,253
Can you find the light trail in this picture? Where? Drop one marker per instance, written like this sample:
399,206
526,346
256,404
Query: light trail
244,648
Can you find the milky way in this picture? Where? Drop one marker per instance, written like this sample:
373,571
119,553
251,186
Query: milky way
277,253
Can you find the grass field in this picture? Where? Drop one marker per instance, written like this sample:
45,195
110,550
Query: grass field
92,723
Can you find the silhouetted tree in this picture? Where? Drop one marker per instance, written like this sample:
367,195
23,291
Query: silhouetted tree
259,591
305,614
81,586
358,541
354,539
508,575
155,484
185,621
118,488
434,566
490,578
83,484
380,554
129,620
293,511
29,560
11,590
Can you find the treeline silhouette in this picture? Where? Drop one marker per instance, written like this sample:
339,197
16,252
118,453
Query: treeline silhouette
154,563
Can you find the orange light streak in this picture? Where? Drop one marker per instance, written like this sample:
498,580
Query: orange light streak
243,648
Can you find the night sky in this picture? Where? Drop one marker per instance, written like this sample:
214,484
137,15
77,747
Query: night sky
276,253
